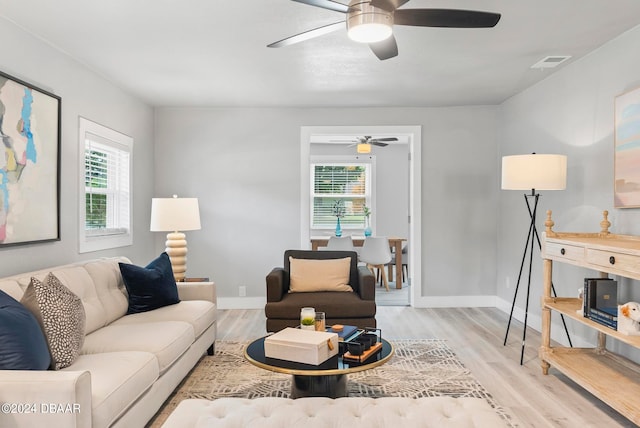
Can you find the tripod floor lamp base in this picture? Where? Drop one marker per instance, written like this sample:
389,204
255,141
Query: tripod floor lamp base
528,248
524,172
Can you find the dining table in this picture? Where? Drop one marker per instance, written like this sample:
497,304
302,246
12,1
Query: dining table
395,242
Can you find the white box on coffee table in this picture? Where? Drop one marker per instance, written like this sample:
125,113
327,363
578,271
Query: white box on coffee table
302,346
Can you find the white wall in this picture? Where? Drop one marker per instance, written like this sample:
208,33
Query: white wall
244,165
83,94
571,113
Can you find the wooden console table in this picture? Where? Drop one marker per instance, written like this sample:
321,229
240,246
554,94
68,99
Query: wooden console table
358,241
613,379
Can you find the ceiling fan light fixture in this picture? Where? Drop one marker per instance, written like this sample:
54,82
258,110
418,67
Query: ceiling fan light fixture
363,148
368,24
369,32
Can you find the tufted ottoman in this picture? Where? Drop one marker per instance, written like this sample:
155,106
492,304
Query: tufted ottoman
320,412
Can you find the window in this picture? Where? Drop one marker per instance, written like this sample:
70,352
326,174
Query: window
105,208
349,182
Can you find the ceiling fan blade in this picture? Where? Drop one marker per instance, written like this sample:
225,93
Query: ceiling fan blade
388,5
388,48
316,32
453,18
376,143
384,139
326,4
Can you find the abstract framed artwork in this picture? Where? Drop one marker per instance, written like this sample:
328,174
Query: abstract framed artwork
627,150
29,163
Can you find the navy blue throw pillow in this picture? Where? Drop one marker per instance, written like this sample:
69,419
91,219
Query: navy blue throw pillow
22,343
150,287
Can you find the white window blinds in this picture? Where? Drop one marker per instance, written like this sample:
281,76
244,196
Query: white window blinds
332,182
106,187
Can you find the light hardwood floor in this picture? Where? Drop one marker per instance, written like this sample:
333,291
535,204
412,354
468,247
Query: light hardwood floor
476,335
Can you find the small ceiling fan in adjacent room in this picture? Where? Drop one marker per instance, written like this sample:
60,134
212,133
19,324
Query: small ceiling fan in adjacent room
372,22
363,144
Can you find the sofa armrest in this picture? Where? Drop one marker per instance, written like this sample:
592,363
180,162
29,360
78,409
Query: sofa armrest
197,291
45,398
276,287
367,282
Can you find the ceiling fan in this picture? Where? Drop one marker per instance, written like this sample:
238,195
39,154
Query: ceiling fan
368,139
364,143
371,21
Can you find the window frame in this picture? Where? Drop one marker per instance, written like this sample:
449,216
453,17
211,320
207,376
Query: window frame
369,195
119,144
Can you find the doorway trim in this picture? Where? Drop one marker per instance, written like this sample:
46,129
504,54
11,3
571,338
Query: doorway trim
414,133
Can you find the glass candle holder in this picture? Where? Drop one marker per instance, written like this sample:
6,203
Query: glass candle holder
308,318
320,321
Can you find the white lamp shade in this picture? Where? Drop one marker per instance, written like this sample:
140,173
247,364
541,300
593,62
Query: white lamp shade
535,171
174,214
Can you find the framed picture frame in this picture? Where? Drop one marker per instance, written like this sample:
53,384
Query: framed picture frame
626,156
29,163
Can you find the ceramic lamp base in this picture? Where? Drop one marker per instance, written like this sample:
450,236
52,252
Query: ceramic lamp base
177,251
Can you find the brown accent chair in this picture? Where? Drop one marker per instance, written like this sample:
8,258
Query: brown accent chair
348,308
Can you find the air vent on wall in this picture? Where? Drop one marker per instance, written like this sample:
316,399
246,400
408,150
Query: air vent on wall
551,61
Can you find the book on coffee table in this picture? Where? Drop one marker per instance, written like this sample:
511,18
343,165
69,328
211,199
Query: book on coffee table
348,331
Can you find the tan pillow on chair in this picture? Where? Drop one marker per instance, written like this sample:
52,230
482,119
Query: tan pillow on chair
307,275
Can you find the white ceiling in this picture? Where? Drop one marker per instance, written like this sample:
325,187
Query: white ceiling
213,53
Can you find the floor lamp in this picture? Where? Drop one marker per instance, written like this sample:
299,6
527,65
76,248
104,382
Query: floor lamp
532,172
174,215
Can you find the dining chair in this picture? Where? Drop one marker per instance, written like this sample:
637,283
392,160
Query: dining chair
405,264
376,254
342,243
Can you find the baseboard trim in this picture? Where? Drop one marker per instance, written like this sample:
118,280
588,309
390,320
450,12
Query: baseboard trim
455,302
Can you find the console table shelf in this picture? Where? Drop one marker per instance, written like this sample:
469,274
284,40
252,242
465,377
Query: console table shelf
569,306
612,378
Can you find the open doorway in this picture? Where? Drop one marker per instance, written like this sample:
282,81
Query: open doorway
395,200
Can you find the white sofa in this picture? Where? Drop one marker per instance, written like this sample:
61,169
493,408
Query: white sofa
129,364
352,412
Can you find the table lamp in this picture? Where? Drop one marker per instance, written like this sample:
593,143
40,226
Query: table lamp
174,215
535,172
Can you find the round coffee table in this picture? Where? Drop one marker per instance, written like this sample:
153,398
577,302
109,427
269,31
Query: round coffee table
328,379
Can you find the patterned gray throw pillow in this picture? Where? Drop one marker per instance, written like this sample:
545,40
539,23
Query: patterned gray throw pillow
62,318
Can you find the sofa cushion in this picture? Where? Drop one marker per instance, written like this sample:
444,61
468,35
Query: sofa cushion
61,315
23,346
150,287
117,380
109,287
12,288
199,313
167,340
308,275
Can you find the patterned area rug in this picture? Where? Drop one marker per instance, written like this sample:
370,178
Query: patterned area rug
419,368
